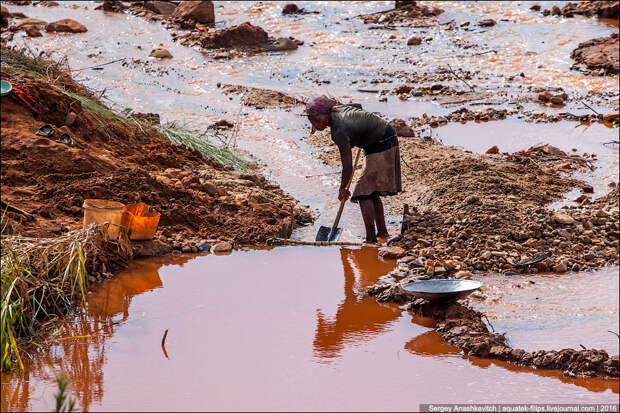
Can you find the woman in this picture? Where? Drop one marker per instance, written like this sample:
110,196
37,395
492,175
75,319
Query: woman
352,126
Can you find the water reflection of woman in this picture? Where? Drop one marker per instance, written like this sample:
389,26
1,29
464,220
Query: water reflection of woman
357,318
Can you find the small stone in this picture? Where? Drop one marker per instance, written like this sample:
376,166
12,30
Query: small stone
186,249
562,218
66,25
392,252
463,275
161,53
610,117
535,7
487,23
492,150
32,31
486,255
414,41
71,117
222,246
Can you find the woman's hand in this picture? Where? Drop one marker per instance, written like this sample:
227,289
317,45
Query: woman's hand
344,194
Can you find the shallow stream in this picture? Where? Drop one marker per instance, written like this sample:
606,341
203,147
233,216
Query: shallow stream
286,328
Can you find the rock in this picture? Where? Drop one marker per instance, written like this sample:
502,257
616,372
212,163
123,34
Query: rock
198,11
66,25
4,12
392,253
32,31
486,255
545,96
599,54
492,150
71,117
487,23
588,189
562,218
561,267
222,246
463,275
535,7
451,265
290,8
401,128
405,4
30,22
283,43
610,117
472,199
556,11
186,249
414,41
245,34
161,53
160,7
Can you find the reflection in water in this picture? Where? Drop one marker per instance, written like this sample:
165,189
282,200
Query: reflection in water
266,339
357,318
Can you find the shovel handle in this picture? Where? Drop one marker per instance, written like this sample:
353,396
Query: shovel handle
337,220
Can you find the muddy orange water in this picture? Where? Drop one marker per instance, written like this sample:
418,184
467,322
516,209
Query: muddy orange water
247,334
287,328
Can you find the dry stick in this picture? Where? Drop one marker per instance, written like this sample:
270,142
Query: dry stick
102,64
459,78
163,344
16,210
587,106
488,51
488,321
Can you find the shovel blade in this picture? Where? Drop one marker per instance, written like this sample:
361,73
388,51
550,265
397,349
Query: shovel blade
329,234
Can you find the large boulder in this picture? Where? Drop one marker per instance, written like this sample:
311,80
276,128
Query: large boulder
598,54
161,7
66,25
198,11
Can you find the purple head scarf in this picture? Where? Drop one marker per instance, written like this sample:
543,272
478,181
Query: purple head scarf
320,105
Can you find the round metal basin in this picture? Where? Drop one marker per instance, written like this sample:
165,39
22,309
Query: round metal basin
442,290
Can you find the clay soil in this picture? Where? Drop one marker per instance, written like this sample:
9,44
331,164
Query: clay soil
129,161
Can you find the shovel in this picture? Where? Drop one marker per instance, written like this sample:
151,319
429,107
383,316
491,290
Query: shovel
333,233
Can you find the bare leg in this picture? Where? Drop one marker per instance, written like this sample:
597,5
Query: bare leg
382,231
368,213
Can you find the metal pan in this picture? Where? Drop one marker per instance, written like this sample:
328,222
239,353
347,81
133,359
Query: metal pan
442,290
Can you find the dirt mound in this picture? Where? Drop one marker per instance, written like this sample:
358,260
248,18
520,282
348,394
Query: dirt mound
598,55
262,98
473,212
129,161
464,328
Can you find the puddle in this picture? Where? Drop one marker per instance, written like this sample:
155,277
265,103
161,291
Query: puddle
553,312
282,334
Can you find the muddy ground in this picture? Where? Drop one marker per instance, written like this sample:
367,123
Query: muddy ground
128,160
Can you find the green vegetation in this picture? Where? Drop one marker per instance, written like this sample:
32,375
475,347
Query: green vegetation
194,140
57,73
64,402
41,277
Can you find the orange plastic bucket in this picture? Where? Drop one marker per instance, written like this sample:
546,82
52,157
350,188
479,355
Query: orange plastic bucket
100,211
142,223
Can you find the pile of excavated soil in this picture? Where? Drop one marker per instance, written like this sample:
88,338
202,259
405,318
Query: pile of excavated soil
598,55
262,98
464,328
487,212
129,162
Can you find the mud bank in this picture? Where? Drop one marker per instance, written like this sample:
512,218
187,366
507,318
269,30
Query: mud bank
464,328
128,159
